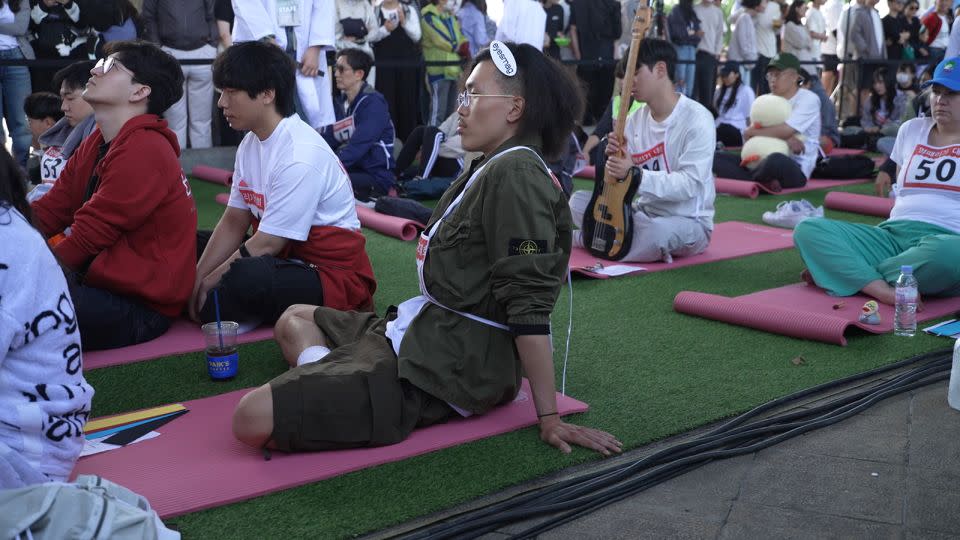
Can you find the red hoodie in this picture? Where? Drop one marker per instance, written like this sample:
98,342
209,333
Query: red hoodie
138,232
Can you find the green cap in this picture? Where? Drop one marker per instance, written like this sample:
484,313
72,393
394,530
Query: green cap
784,61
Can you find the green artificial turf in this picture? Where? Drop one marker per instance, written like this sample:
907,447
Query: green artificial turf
646,371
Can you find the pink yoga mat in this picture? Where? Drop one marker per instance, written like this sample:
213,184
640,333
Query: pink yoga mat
859,204
750,190
731,239
836,152
404,229
196,463
801,311
589,173
846,152
212,174
182,337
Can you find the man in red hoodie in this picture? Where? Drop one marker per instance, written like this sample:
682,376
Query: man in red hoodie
289,185
121,217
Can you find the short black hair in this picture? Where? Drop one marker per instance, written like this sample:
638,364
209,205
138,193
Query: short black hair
357,60
153,67
75,76
750,4
652,51
255,67
553,101
40,105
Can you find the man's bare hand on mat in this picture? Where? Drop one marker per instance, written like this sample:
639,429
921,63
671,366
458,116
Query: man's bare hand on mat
560,434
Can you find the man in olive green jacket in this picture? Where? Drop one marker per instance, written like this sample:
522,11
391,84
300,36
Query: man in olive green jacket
491,264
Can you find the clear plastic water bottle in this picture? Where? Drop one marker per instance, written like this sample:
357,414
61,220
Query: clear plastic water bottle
905,311
953,394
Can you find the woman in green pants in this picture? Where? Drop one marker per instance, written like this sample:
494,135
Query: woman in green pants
924,226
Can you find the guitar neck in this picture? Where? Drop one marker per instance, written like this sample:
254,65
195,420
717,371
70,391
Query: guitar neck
641,23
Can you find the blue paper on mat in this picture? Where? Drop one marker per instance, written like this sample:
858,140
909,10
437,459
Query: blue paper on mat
949,328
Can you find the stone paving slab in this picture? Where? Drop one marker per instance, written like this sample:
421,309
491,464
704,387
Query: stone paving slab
748,520
890,472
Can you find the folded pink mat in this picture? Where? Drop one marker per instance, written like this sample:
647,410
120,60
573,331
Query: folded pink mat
404,229
751,190
212,174
196,463
859,204
182,337
833,153
589,173
731,239
801,311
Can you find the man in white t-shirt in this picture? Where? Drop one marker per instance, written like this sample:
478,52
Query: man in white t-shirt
306,29
801,131
288,184
924,226
669,146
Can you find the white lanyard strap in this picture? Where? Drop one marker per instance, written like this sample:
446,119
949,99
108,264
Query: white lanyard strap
428,235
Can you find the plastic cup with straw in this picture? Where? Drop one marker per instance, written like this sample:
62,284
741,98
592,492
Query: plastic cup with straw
223,358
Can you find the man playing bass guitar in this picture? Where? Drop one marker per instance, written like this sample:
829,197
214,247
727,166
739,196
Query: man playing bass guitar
669,150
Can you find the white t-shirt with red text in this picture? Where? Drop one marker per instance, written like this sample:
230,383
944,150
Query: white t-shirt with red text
292,181
929,178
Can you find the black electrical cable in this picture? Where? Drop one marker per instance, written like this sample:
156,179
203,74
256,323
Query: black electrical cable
635,486
704,442
575,497
738,420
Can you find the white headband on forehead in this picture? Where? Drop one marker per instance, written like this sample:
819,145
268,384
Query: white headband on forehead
503,58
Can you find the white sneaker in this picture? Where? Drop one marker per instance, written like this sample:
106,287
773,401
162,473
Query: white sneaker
789,213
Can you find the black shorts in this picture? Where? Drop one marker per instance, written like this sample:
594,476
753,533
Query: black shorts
353,397
867,69
830,62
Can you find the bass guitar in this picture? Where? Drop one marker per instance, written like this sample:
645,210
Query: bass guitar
607,226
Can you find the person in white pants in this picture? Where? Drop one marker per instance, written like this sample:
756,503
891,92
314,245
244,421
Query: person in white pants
305,28
187,30
668,144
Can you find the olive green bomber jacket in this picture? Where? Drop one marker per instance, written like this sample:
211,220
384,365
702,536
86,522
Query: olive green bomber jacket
502,254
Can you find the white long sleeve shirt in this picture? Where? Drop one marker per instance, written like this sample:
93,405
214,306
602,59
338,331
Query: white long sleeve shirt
676,156
713,26
524,21
815,23
411,24
44,399
739,112
743,41
795,39
831,16
766,33
257,19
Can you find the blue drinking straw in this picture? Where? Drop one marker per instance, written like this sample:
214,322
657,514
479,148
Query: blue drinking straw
216,306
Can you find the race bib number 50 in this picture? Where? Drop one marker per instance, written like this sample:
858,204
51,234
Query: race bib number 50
933,168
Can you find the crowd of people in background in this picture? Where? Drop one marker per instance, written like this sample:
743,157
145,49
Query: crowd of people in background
376,76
